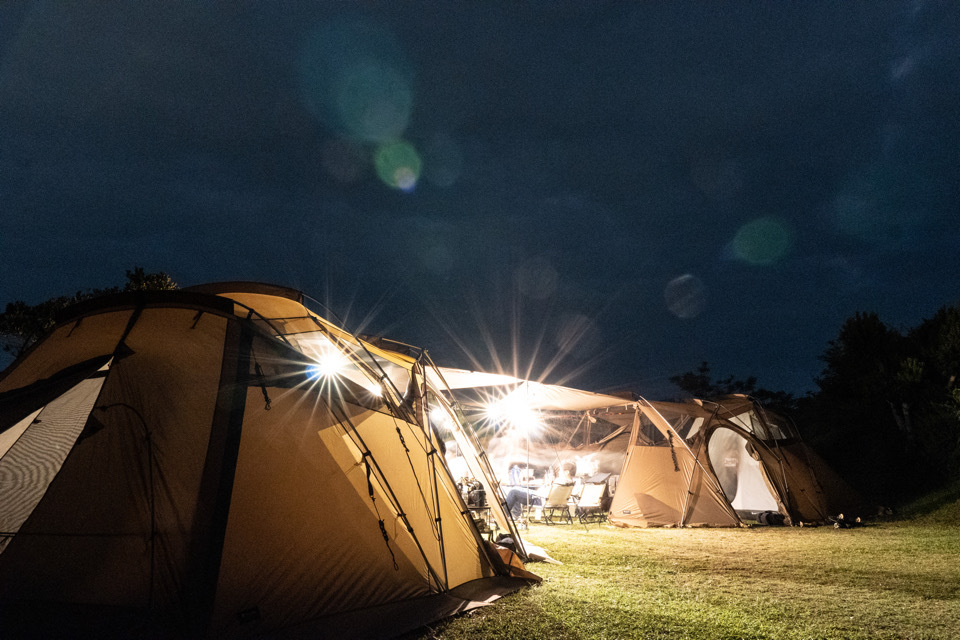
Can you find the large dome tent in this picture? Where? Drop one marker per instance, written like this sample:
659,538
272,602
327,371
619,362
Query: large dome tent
222,462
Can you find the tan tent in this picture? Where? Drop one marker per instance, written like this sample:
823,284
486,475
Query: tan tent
407,371
698,463
722,463
221,462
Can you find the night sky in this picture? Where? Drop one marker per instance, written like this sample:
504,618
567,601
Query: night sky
604,194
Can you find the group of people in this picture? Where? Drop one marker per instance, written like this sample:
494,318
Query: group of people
519,496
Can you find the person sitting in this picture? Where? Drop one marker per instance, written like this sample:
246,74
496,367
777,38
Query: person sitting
568,473
518,497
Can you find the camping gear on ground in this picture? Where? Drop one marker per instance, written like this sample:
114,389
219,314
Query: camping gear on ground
771,518
556,506
594,500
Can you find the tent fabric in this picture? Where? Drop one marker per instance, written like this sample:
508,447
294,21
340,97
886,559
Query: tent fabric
652,492
537,395
282,309
190,476
40,444
816,491
721,462
704,462
385,360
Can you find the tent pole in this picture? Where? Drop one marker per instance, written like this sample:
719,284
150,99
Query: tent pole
686,497
526,476
467,432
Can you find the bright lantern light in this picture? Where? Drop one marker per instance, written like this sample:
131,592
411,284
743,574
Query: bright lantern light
329,364
515,411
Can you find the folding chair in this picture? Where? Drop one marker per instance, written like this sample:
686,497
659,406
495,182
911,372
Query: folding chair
556,504
592,506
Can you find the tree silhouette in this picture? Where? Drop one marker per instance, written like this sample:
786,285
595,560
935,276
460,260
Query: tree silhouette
888,409
887,412
21,324
700,384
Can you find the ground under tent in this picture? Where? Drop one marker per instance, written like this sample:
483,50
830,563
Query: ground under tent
223,462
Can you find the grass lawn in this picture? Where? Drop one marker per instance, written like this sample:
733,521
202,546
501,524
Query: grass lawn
887,580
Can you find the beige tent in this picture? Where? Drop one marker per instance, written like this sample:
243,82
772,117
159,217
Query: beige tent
698,463
222,462
722,463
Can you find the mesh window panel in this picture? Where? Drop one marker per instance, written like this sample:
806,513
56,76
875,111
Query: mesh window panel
31,464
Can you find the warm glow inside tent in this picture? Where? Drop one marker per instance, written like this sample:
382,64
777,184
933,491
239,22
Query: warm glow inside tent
222,462
404,373
527,423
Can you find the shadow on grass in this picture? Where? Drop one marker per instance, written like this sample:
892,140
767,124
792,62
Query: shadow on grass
874,580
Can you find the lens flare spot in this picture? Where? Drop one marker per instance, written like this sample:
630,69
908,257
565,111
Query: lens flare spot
763,241
355,78
373,102
398,165
882,206
686,296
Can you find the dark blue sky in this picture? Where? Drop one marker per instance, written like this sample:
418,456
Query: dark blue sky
604,192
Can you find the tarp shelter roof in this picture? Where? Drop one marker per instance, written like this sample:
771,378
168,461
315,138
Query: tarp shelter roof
536,395
541,425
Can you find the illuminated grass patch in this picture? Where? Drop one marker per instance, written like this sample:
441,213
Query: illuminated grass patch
879,581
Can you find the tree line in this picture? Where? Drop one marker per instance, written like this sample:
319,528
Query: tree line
22,324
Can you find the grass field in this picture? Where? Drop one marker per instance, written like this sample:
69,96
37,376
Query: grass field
884,580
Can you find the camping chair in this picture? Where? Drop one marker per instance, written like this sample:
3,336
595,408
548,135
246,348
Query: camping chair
592,506
557,503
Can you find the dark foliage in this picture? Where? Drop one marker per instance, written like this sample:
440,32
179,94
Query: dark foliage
21,324
700,384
